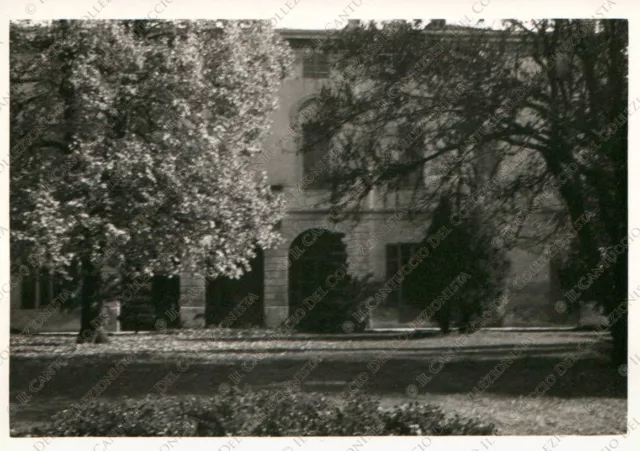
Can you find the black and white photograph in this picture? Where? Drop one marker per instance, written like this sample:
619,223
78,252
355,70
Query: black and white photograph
343,226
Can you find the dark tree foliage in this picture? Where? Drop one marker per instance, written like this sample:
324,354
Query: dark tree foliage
540,107
329,295
463,269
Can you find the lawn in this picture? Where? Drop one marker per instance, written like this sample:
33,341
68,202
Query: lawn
590,398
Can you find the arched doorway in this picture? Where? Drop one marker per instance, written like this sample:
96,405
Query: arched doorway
314,255
237,302
156,300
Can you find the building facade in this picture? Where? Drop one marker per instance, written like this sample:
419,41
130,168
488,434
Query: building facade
379,241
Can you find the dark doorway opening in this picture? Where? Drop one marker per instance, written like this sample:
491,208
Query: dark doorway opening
314,255
157,300
237,302
165,292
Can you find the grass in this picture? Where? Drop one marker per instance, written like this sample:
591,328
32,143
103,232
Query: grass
589,399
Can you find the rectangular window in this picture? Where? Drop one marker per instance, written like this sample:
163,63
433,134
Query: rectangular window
412,179
315,64
398,255
408,140
40,288
50,287
314,158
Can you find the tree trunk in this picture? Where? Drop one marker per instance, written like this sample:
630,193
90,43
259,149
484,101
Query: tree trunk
444,318
91,306
620,339
620,316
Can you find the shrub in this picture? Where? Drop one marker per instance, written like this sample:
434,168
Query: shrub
358,291
285,412
339,306
573,266
464,271
138,314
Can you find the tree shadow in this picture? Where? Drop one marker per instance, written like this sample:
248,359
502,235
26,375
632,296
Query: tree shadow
590,376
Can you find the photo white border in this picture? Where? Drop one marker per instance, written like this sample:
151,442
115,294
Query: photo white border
316,15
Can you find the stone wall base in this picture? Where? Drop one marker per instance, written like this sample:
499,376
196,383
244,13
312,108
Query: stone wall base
192,317
274,316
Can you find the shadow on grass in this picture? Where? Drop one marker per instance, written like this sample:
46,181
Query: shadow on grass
590,376
480,351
